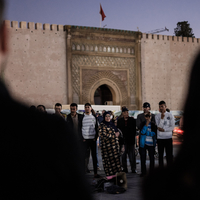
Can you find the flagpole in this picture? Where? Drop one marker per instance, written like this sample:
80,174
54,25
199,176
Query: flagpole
100,21
100,17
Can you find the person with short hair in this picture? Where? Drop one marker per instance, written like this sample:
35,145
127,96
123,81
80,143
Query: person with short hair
90,135
41,108
74,121
121,115
32,108
128,127
58,108
165,125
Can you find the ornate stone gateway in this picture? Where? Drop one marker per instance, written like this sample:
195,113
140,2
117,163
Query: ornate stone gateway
97,57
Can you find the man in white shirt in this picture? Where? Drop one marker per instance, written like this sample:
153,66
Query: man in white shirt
165,125
90,135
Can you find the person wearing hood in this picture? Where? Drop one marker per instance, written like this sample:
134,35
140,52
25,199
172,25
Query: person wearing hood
110,152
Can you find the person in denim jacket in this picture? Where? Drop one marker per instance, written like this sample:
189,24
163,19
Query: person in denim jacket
147,141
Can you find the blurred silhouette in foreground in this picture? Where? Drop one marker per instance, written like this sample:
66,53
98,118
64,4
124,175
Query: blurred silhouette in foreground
37,151
181,180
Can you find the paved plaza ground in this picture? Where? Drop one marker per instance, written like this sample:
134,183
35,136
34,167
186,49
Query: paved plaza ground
134,181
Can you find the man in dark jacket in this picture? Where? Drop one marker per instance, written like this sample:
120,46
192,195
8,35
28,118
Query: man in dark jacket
128,127
37,150
141,117
74,121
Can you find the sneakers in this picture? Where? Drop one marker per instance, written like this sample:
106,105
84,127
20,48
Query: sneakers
98,168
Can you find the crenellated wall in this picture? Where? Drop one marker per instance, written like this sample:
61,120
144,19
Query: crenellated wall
36,68
165,64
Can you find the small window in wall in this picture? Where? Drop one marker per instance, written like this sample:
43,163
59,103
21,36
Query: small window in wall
120,50
124,50
104,49
78,47
129,50
96,48
83,48
108,49
100,48
73,47
87,48
117,50
113,50
132,51
91,48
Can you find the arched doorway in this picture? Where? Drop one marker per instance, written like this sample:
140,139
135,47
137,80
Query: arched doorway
112,86
103,95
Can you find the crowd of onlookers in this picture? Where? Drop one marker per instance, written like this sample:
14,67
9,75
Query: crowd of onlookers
117,136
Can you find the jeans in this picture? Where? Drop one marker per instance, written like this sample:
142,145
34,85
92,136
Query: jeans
143,153
97,154
130,150
167,145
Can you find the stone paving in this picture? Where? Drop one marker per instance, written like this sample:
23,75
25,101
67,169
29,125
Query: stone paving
134,182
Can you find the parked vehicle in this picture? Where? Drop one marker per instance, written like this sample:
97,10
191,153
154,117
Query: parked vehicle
178,132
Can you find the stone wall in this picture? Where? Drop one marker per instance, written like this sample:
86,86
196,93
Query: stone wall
55,63
166,64
36,67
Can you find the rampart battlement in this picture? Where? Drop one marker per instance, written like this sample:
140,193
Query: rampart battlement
33,26
170,38
55,27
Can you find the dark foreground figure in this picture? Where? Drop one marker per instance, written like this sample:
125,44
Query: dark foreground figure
38,155
181,180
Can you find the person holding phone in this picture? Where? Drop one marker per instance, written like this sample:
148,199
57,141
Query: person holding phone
147,141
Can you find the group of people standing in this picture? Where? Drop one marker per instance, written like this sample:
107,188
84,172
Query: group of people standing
155,130
114,138
118,137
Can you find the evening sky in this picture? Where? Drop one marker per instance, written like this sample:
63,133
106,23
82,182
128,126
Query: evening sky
148,15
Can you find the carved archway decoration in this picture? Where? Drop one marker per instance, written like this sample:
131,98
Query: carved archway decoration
116,86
